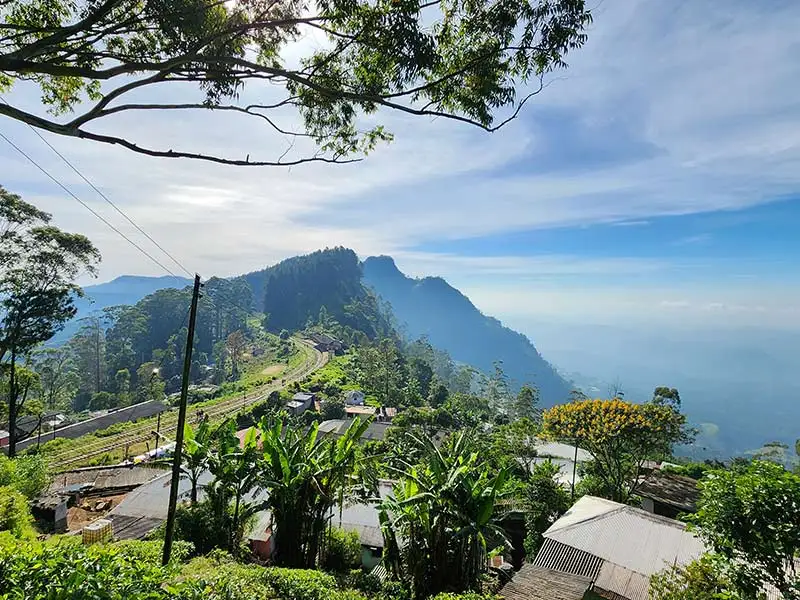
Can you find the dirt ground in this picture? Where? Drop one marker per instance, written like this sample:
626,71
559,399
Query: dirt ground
83,514
273,370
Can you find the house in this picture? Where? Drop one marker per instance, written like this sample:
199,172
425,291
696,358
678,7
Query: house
564,456
385,414
614,547
668,494
359,517
337,427
325,343
359,411
354,398
300,403
4,436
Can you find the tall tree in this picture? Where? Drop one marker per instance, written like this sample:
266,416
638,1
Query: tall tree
39,264
526,404
381,371
57,376
236,344
752,519
497,390
466,61
122,383
88,347
620,435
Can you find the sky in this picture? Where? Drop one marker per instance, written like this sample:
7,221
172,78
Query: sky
655,180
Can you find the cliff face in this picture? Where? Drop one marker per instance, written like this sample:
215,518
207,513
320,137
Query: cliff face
432,307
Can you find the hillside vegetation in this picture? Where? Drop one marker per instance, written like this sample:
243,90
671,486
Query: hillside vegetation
432,308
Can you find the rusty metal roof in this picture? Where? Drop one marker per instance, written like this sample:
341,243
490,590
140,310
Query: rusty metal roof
535,583
672,489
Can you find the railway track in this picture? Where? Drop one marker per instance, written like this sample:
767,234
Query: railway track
145,432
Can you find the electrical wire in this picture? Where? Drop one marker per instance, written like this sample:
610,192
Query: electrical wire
106,198
86,206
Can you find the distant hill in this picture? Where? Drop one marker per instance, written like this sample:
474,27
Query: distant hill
318,288
432,307
124,290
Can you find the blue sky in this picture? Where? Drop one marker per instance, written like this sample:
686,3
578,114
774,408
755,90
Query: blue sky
656,179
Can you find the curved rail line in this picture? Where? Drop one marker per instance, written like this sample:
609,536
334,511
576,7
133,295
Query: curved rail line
64,461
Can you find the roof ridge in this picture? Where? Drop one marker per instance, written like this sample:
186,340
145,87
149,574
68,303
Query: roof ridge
589,519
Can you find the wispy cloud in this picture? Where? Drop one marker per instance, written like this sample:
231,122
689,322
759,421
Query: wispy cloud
672,108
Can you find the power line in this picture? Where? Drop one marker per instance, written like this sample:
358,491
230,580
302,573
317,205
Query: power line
107,199
86,206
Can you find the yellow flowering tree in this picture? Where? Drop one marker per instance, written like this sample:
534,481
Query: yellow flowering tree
620,435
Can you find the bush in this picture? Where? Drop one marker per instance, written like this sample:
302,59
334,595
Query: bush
27,474
465,596
15,516
101,572
372,587
333,409
343,551
199,526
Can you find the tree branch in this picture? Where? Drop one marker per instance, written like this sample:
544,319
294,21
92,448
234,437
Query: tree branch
107,139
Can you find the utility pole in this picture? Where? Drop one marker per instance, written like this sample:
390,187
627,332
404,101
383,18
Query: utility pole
176,462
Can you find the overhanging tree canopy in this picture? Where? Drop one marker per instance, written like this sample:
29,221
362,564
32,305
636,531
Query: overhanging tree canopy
476,61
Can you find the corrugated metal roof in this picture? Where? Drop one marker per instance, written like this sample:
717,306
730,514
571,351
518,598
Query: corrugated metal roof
669,488
107,479
559,557
626,536
624,582
534,583
559,450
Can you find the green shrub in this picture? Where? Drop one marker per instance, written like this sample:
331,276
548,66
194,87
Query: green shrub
465,596
342,552
15,515
34,570
200,527
301,584
372,587
27,474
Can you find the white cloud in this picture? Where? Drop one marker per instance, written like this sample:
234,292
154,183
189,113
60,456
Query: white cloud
674,108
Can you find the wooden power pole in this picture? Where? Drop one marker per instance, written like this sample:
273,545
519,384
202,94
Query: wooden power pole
176,462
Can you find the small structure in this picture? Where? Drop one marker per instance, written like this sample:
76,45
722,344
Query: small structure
359,411
325,343
300,403
668,494
354,398
51,511
4,437
385,414
616,547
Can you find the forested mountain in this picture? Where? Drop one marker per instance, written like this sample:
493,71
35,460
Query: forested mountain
321,287
433,308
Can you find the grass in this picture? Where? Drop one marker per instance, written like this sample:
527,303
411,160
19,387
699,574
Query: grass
338,371
252,379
